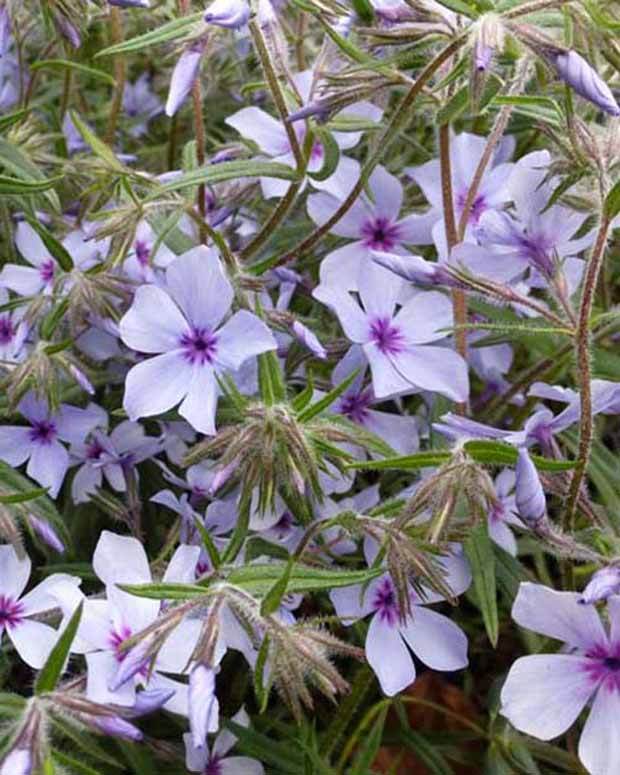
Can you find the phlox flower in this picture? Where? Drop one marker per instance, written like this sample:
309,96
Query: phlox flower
271,137
40,442
181,326
143,262
396,342
106,623
215,760
373,224
13,332
32,640
504,512
544,694
434,639
141,104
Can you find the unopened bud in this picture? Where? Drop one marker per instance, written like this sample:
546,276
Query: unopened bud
230,14
184,75
203,705
17,762
46,533
116,727
604,582
304,335
529,494
583,78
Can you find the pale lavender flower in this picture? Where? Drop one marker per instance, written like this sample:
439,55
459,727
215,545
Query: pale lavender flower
40,442
544,694
372,225
13,332
604,583
184,75
146,258
309,339
396,343
493,194
106,623
110,457
272,140
215,761
503,513
434,639
141,104
535,237
357,403
181,327
73,139
204,708
32,640
583,78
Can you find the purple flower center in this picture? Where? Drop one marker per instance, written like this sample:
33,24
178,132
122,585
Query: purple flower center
47,270
380,233
355,406
199,346
143,252
7,330
386,336
604,667
317,152
385,602
478,207
43,432
11,612
537,250
116,638
213,766
94,450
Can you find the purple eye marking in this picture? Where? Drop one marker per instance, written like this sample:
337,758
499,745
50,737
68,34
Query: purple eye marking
380,233
355,406
385,602
43,432
47,271
7,330
478,207
605,666
199,346
143,252
11,612
388,337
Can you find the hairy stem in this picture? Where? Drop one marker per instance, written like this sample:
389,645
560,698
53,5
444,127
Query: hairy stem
584,368
387,137
116,35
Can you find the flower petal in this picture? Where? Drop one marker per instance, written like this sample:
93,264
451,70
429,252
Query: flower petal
242,337
14,573
599,746
545,693
438,369
200,403
389,657
33,641
436,640
156,385
153,323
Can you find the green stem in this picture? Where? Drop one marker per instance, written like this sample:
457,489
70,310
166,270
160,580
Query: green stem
584,367
387,137
116,35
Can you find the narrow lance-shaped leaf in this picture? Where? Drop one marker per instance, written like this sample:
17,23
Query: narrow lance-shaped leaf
49,676
479,551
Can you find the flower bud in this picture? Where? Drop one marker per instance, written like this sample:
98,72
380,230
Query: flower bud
230,14
529,494
603,583
304,335
184,75
148,701
117,727
133,661
130,3
583,78
203,705
46,533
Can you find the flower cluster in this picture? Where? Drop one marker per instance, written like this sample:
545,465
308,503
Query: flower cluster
308,318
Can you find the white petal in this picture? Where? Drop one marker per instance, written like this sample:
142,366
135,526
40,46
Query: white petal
599,746
24,280
156,385
200,288
254,124
558,615
545,693
120,559
102,667
14,573
434,639
240,765
389,657
200,404
33,641
422,318
153,323
48,465
242,337
15,444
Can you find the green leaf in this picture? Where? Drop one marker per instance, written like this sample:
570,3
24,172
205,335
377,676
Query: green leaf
364,9
454,107
459,6
500,453
165,590
229,170
273,598
52,669
208,544
479,550
98,147
62,64
612,201
259,579
174,29
75,765
426,752
542,109
331,154
284,757
272,387
24,497
14,186
367,751
56,248
13,118
305,415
